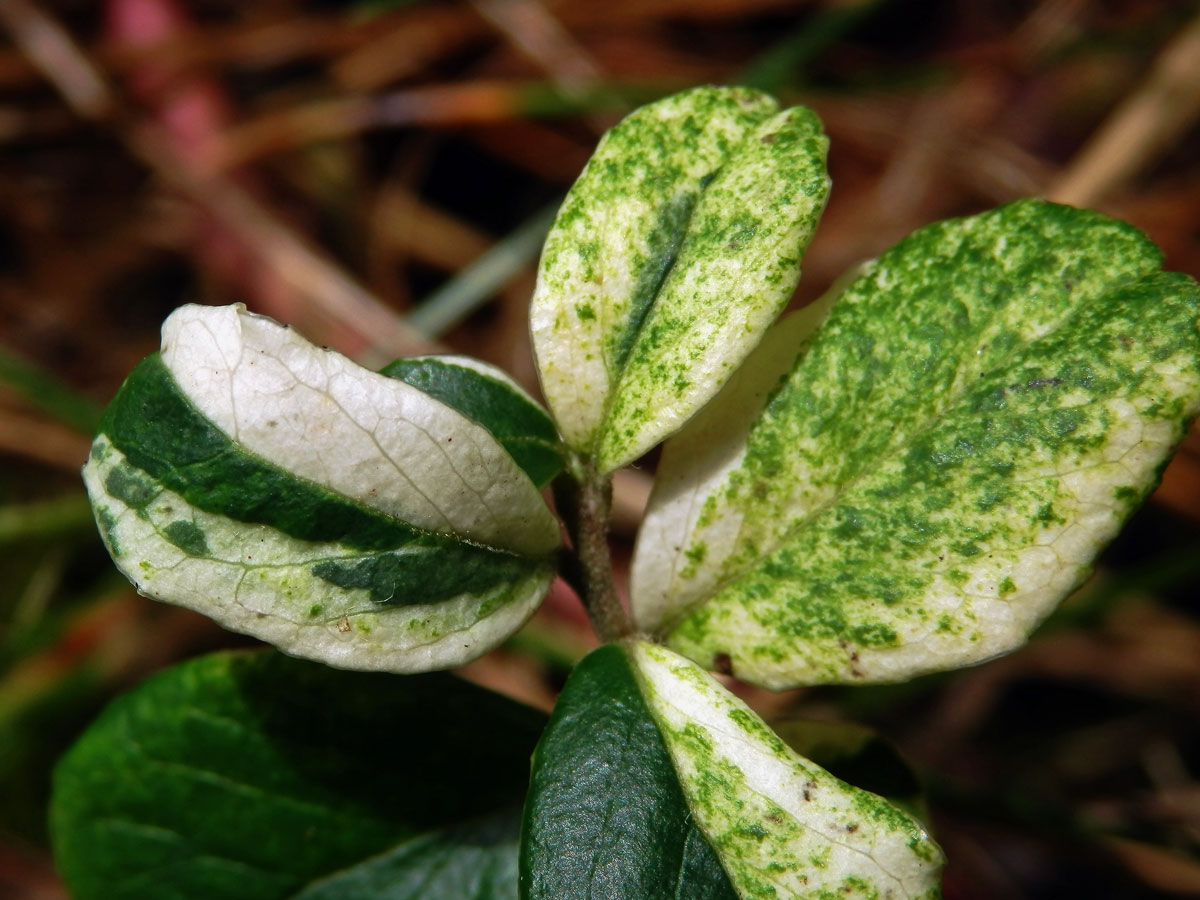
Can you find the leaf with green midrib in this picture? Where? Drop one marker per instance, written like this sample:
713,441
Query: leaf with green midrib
677,246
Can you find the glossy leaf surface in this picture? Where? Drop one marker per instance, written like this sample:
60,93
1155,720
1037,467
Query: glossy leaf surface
256,776
338,513
606,816
937,466
651,780
673,252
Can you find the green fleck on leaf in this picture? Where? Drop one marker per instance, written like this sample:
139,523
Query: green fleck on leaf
127,484
939,459
290,479
256,776
108,525
859,756
187,537
676,248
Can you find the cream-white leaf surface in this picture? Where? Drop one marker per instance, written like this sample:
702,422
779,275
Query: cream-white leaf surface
290,494
356,432
940,463
781,826
673,252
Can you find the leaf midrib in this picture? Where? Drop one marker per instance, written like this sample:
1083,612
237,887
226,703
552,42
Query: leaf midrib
637,321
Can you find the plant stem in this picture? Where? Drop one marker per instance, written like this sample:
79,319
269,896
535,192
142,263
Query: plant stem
585,501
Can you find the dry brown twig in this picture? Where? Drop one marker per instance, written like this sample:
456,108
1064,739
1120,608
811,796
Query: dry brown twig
1160,109
333,298
541,37
463,103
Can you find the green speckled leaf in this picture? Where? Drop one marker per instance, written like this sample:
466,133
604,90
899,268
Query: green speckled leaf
676,248
651,780
289,494
937,466
252,776
488,397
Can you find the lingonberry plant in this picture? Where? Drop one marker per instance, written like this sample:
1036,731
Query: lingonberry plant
902,478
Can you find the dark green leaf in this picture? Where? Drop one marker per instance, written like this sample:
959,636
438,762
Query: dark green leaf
606,817
256,776
475,859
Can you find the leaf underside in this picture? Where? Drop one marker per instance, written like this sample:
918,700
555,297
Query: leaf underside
340,514
934,468
256,776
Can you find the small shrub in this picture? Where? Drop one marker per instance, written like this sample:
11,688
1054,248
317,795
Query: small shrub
904,477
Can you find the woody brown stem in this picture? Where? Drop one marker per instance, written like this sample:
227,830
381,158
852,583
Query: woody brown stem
585,501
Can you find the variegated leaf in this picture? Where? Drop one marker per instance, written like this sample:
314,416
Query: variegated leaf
676,248
290,494
652,780
938,466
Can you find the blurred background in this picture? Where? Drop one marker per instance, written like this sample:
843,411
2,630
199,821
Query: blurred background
381,173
